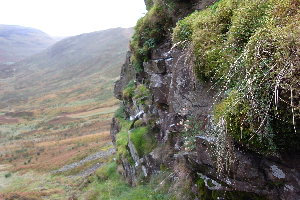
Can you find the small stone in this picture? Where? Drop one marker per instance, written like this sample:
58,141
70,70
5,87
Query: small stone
288,188
277,172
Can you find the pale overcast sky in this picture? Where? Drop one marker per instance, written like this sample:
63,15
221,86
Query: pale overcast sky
71,17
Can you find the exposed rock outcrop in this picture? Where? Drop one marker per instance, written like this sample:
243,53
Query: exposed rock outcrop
176,99
127,74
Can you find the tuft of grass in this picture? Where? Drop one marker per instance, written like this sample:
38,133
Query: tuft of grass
122,140
106,172
141,94
120,112
142,140
128,91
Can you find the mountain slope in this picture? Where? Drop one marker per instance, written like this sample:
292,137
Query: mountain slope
17,42
55,111
75,62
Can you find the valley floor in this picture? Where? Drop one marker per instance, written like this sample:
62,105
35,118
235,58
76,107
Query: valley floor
48,154
53,158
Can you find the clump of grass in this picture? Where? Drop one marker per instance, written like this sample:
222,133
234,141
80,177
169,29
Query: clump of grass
234,113
138,95
128,91
142,140
149,32
219,33
141,94
106,172
109,185
141,137
122,140
120,112
268,81
207,30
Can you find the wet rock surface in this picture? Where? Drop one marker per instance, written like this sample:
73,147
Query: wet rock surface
178,96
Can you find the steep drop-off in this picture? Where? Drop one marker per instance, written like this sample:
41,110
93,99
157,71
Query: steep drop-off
210,94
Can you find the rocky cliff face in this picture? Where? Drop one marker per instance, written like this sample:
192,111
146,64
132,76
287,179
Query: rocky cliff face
166,123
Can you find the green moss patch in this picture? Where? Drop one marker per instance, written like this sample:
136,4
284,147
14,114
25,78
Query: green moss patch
143,141
150,31
122,140
250,50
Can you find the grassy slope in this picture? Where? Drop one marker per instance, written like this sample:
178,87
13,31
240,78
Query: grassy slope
57,110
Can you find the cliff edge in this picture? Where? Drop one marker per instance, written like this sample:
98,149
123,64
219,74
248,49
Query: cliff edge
210,96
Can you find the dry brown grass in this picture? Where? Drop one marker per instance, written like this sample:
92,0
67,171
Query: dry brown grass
46,149
29,195
91,112
49,155
8,120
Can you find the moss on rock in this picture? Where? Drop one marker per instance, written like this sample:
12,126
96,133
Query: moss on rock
150,31
143,140
250,49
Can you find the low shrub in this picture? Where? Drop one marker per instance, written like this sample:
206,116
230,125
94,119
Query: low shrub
7,175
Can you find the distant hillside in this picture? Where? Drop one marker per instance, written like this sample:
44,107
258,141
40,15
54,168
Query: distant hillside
17,42
87,53
55,110
78,63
